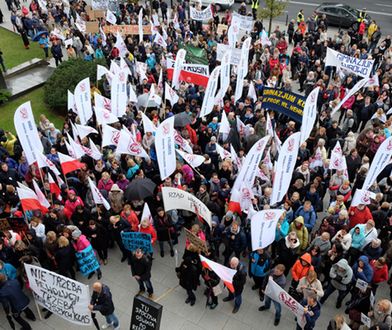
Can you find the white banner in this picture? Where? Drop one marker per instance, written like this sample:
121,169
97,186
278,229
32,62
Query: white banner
170,94
97,195
165,149
235,56
224,127
180,59
140,24
177,199
242,69
362,197
338,161
27,132
192,159
309,114
62,296
200,15
71,102
232,34
104,116
148,125
209,96
263,226
355,65
285,167
276,293
224,75
120,45
110,136
251,164
99,4
380,160
118,94
110,17
181,142
83,100
243,22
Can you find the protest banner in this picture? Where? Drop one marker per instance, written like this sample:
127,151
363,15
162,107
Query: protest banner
126,29
177,199
210,92
263,226
146,314
200,15
235,53
62,296
197,74
221,28
354,65
242,68
18,225
243,22
276,293
4,225
165,148
87,261
92,27
196,241
362,196
309,114
195,55
288,103
135,240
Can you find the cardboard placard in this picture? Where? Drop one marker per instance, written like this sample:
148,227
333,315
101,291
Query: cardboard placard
18,225
126,29
4,225
92,27
192,238
221,28
146,314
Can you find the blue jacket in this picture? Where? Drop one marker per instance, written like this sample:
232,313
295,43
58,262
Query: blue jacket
309,217
9,271
357,239
259,264
283,231
12,294
311,320
367,271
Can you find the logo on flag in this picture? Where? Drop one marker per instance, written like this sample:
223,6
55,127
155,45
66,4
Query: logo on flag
115,137
23,113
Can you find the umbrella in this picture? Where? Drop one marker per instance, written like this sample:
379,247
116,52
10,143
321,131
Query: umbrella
182,119
139,189
39,34
143,99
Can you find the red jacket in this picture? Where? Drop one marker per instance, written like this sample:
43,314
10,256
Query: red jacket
379,274
149,230
132,219
70,206
357,216
102,185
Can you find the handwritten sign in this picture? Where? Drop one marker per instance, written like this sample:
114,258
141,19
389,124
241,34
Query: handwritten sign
87,261
361,285
196,241
126,29
146,314
62,296
136,240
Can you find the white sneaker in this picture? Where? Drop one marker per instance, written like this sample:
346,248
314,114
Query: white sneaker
117,328
106,326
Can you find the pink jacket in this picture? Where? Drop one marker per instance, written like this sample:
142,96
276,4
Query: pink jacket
105,186
70,206
81,243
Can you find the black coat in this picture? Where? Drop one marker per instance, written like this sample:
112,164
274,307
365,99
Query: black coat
141,267
102,301
65,258
189,271
11,294
100,239
239,279
163,226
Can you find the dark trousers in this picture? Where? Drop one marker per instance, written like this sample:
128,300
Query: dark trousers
58,60
46,51
102,253
329,290
161,245
68,273
148,284
191,295
228,252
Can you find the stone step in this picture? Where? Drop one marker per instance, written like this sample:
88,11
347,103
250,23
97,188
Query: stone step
31,64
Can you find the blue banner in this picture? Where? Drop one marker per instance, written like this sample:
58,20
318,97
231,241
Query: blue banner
136,240
290,104
87,261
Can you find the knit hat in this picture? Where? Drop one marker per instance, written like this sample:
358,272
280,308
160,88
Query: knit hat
115,187
76,233
229,214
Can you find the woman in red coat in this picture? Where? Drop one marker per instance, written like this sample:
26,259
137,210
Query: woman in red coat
380,272
147,228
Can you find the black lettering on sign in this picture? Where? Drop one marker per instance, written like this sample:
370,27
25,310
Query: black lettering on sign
146,314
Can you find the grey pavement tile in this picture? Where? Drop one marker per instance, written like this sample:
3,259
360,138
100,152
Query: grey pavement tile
213,319
234,324
191,326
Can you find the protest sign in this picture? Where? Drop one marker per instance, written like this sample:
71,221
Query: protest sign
177,199
288,103
4,225
146,314
235,53
92,27
87,261
221,28
200,15
197,74
62,296
243,22
366,320
126,29
361,284
135,240
196,241
18,225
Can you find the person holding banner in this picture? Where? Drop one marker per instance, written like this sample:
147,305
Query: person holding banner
311,311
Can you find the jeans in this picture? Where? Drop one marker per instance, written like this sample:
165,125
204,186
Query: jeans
148,284
237,299
112,319
278,307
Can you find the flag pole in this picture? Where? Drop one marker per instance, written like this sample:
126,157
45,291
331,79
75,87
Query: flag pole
42,181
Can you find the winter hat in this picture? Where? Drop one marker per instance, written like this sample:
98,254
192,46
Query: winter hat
115,187
76,233
229,214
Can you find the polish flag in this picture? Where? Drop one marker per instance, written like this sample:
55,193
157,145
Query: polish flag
43,161
226,274
69,164
54,188
41,197
29,199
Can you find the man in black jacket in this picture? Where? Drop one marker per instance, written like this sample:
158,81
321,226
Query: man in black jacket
239,280
101,301
141,271
119,225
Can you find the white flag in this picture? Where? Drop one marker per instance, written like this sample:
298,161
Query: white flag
165,149
153,96
80,24
103,36
249,169
128,145
110,17
147,214
71,102
232,34
270,128
245,198
252,92
132,94
140,24
180,59
191,159
209,95
101,71
41,197
118,94
110,136
373,81
170,94
338,161
83,100
224,127
44,161
104,116
85,130
120,45
362,196
242,68
352,91
181,142
285,167
223,153
124,66
27,132
225,74
309,114
148,125
264,38
235,159
97,195
76,150
95,153
160,40
263,228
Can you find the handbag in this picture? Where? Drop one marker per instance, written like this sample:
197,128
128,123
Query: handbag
217,290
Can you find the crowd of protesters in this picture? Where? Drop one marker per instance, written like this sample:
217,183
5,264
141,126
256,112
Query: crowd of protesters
323,244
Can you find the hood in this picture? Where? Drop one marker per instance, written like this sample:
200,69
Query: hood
299,220
342,263
307,258
365,260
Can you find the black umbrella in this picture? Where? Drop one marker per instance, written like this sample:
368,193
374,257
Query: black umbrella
139,189
182,119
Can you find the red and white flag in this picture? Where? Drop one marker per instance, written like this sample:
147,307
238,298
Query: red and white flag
128,145
69,164
83,130
29,200
192,159
148,125
110,136
54,188
223,153
197,74
97,195
43,161
181,142
362,196
41,197
83,100
165,149
226,274
170,94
